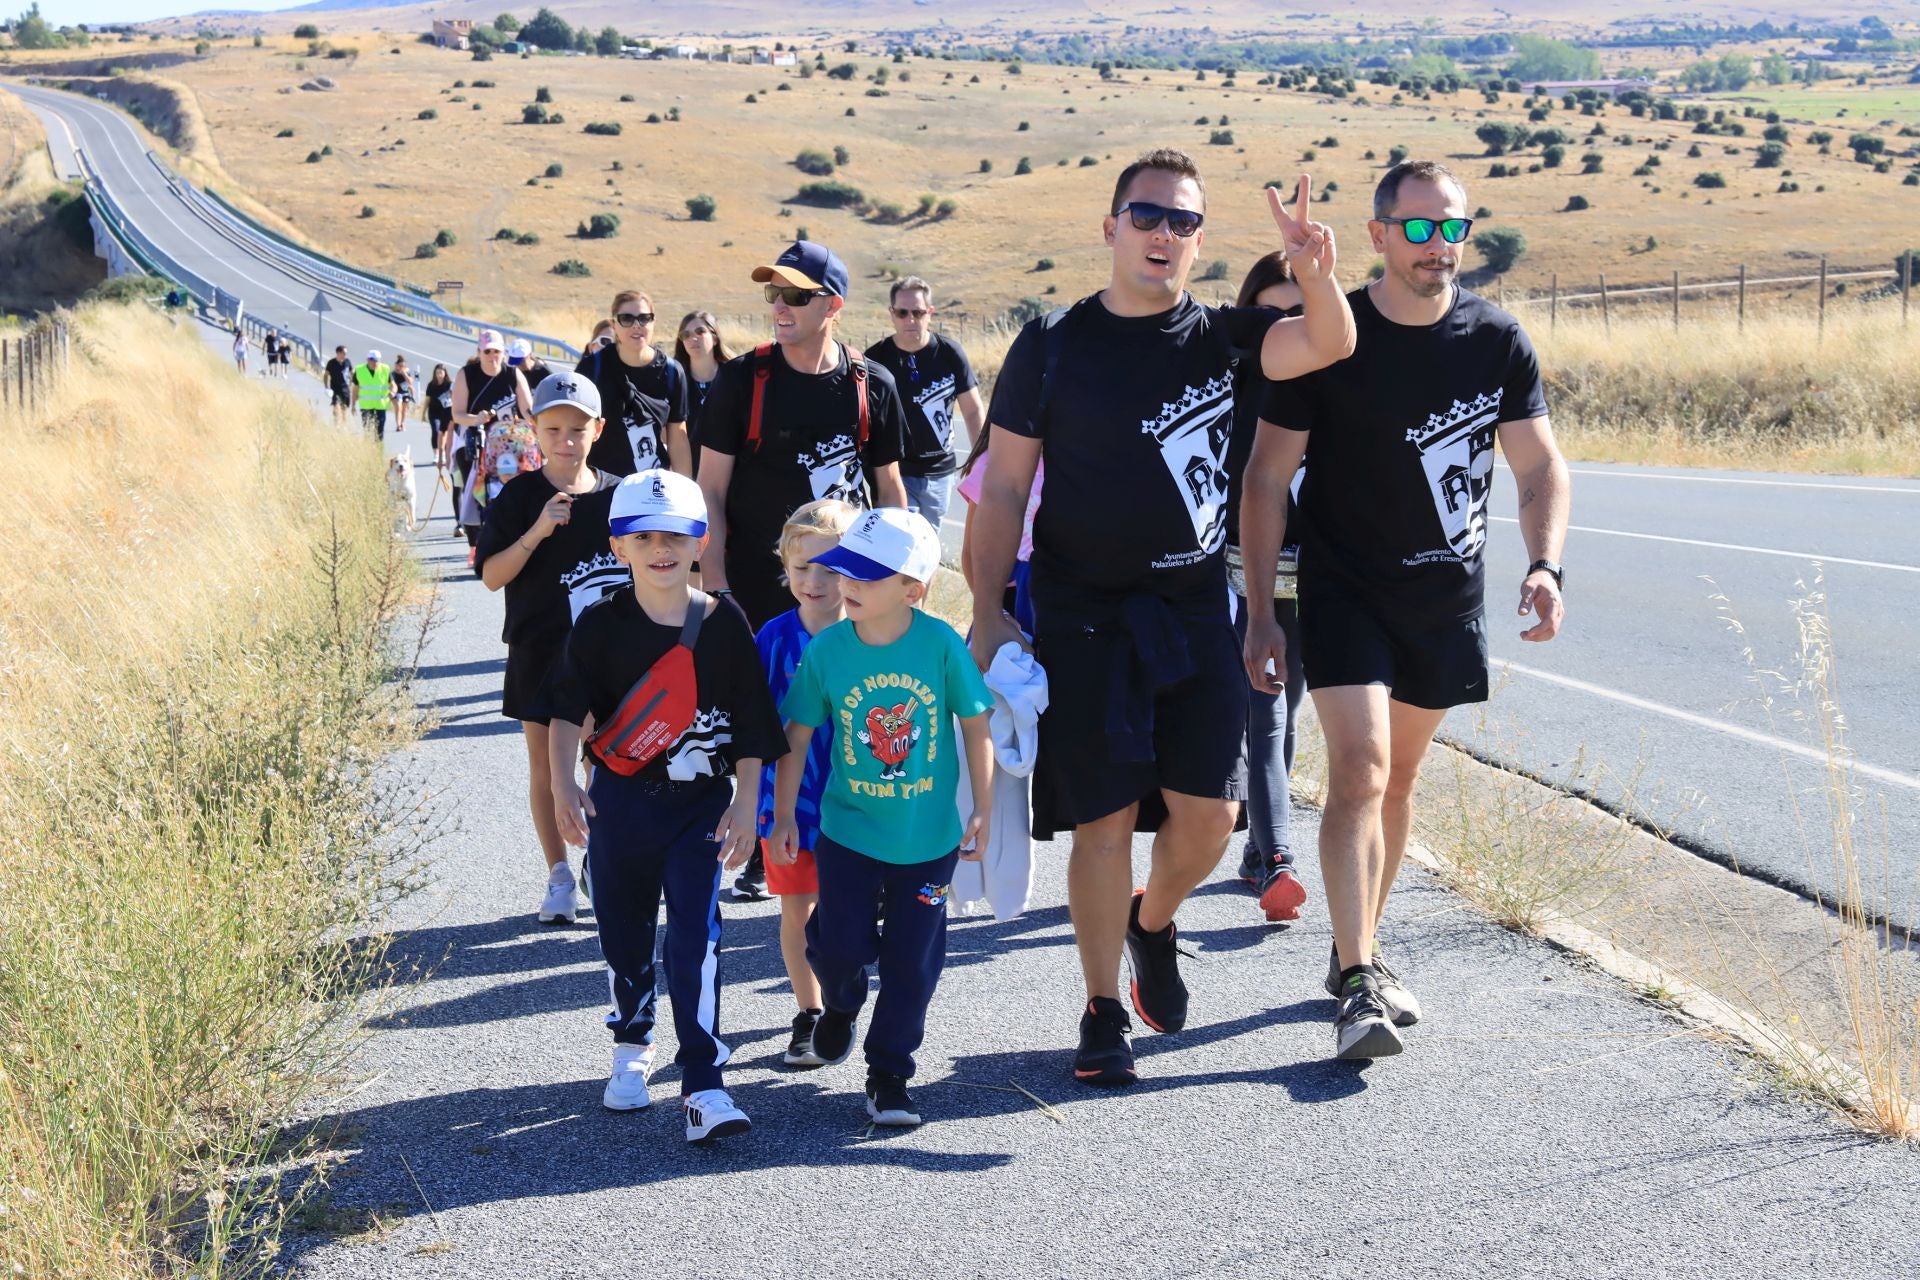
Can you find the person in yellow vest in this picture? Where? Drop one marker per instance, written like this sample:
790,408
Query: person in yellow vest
374,381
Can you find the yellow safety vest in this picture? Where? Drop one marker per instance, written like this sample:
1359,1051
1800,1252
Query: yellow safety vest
376,386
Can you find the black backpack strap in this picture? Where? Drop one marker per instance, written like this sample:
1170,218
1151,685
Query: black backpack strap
1055,329
697,602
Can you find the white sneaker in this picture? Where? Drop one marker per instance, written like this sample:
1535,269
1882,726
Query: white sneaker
562,903
711,1114
627,1088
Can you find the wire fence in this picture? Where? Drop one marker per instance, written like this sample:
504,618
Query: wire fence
1606,299
33,365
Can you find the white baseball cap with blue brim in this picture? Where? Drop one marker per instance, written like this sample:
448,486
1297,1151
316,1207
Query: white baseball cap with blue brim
657,502
883,542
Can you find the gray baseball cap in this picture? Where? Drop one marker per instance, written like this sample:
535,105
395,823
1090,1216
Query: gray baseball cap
567,388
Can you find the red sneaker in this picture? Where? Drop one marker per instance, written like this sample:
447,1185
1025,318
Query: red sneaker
1283,896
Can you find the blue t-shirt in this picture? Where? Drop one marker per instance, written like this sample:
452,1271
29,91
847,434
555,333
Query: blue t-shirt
781,642
895,764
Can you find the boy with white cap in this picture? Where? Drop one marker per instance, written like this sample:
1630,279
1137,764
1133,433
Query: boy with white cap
679,701
890,679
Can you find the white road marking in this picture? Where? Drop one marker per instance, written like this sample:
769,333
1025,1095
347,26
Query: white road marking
1754,736
1735,546
1610,473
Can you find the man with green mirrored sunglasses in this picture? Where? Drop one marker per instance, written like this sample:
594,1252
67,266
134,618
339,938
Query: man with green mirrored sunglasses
1392,529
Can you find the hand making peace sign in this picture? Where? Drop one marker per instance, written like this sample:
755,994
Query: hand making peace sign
1309,244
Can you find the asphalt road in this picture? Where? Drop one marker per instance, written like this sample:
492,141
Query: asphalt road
1649,678
1542,1123
114,145
1646,683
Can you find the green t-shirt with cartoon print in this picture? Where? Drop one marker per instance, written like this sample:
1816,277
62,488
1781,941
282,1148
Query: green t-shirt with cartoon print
896,766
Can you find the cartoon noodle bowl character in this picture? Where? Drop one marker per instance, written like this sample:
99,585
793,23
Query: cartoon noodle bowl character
890,735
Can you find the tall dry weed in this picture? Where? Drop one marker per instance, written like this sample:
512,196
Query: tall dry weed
197,669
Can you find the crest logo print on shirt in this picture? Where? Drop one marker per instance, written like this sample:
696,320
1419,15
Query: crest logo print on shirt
833,471
1456,452
937,403
588,580
696,753
1192,433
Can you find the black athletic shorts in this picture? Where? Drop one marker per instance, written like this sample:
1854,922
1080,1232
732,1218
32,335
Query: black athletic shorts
342,398
1199,723
1435,665
524,696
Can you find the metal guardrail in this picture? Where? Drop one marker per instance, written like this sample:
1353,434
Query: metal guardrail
150,256
373,290
262,228
306,356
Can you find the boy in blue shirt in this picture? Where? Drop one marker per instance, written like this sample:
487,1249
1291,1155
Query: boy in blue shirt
811,531
889,680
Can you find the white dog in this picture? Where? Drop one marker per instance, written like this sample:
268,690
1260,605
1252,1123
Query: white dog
406,496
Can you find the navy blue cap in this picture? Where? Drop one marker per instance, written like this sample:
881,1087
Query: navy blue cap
806,264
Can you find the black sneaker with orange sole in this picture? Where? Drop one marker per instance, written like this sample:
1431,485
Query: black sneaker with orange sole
1106,1048
1159,995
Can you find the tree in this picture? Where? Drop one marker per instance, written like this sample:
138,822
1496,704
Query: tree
1775,69
845,71
306,31
548,30
1501,138
506,22
607,43
1500,248
1539,58
1770,156
30,31
1736,71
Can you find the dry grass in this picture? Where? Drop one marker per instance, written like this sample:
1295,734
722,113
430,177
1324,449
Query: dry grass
1847,844
195,690
1773,396
468,170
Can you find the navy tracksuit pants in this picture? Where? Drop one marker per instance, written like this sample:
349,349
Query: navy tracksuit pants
888,914
648,839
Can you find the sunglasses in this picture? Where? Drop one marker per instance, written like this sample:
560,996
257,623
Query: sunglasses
1420,230
910,313
628,319
1146,216
794,296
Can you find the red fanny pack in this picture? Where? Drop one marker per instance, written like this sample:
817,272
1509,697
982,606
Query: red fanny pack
660,706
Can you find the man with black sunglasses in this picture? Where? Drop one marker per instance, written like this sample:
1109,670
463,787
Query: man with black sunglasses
800,418
1129,395
936,384
1393,528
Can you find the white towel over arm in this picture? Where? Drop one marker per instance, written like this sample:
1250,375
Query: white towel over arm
1003,880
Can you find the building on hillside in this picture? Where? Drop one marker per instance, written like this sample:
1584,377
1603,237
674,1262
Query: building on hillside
452,33
685,51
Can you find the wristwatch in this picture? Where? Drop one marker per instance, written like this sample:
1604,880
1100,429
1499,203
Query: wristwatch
1547,566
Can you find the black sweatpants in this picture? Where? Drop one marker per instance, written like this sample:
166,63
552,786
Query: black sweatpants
889,914
648,839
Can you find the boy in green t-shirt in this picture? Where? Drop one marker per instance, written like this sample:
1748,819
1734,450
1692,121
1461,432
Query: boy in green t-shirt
890,679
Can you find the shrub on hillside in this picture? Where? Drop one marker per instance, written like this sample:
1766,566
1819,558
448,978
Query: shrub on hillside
1500,248
1575,204
426,249
603,128
601,226
701,208
829,195
816,163
1711,180
571,267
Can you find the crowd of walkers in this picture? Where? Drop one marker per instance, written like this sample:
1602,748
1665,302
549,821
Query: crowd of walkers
1189,516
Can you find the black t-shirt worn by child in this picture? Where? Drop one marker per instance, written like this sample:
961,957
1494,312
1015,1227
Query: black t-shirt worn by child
1135,443
808,449
929,381
638,404
615,642
563,575
1394,505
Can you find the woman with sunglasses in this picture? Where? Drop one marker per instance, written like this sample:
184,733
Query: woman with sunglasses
700,352
1392,529
644,392
1129,394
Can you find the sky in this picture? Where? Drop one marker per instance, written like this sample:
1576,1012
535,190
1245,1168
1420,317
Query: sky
62,12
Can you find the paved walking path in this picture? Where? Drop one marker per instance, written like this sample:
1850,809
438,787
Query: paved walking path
1542,1122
